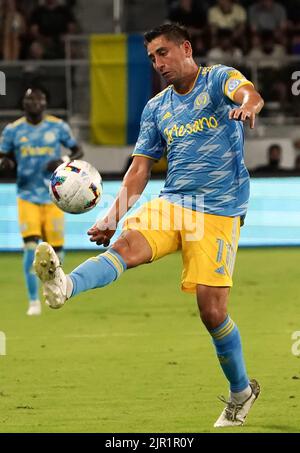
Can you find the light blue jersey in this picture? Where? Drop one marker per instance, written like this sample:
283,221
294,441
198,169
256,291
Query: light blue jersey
33,147
206,169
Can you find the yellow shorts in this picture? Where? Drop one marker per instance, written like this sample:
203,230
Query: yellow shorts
44,220
208,242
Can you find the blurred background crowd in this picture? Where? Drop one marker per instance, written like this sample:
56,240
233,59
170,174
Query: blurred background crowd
45,42
220,28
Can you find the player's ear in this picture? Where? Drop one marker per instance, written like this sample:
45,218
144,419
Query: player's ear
187,48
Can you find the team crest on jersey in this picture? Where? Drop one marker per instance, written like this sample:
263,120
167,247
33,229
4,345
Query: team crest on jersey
49,137
233,84
201,100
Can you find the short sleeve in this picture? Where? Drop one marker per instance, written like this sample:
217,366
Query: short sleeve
150,143
7,139
66,136
226,80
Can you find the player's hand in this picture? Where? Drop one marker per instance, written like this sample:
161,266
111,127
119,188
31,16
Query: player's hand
102,232
243,113
53,164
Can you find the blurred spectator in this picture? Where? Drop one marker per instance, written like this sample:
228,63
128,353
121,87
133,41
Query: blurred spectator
229,15
200,46
295,42
268,15
297,165
193,15
225,51
33,74
49,24
293,12
296,144
190,13
36,51
274,160
273,77
13,27
266,51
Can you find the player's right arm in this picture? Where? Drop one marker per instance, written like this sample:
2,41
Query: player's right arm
148,149
134,183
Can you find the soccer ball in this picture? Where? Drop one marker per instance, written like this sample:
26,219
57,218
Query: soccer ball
75,187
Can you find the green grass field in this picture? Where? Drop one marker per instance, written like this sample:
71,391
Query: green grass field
134,357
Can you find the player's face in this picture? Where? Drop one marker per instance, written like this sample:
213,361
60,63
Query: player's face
169,58
34,102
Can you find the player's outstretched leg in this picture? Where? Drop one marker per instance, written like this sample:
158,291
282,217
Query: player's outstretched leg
96,272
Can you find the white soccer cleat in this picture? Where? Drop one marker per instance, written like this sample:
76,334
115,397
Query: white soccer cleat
235,414
34,308
47,267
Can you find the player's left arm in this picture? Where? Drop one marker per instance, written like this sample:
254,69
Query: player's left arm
7,157
76,152
69,142
250,102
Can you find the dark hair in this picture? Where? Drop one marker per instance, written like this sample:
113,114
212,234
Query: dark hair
173,32
38,89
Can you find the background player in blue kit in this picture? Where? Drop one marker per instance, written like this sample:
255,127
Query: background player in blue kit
198,120
34,142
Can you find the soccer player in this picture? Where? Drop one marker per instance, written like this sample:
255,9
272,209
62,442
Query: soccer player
198,119
34,142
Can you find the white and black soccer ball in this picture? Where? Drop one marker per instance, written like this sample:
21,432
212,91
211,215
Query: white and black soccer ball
75,187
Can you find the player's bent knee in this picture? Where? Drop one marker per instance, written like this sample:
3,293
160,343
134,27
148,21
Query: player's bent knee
133,248
212,303
122,247
212,317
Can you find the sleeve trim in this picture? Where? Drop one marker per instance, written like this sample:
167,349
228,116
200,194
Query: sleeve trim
232,93
145,155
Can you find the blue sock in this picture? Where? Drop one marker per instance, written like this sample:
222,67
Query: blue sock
30,277
97,271
227,341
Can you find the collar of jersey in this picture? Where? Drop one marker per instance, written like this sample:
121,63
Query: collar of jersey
193,86
35,125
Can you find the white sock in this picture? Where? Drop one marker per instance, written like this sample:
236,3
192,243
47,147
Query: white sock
240,397
35,302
